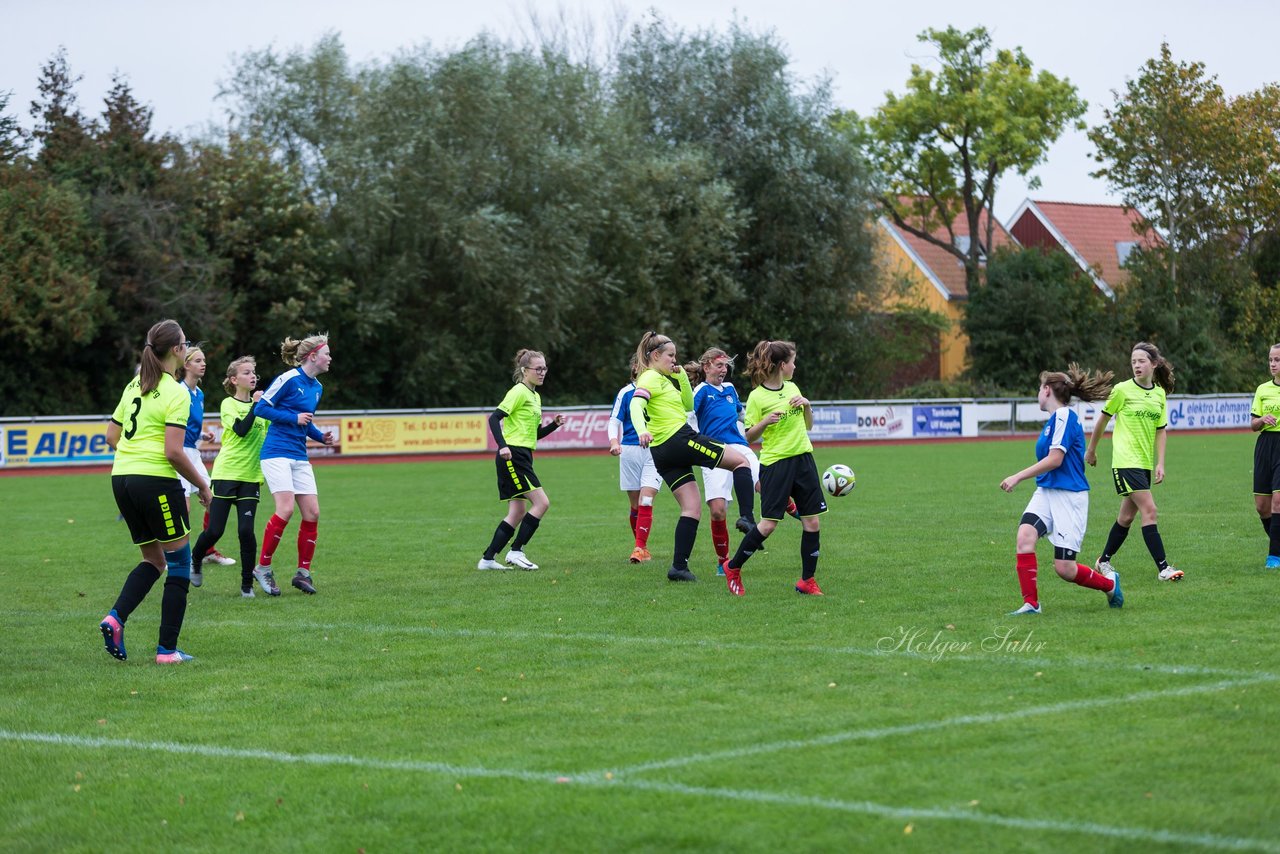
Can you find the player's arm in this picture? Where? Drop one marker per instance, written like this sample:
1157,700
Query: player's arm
113,433
275,414
1051,461
174,435
495,427
686,390
545,430
1162,436
639,401
1099,428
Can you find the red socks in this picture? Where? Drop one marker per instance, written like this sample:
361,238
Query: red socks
306,544
271,539
644,521
1093,579
720,537
1027,578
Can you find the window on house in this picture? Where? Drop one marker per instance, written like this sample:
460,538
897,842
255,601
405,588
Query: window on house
1123,249
961,242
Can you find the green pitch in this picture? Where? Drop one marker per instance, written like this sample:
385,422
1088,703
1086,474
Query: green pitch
417,704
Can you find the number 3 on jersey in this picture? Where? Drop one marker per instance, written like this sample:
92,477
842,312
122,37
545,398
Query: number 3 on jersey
133,418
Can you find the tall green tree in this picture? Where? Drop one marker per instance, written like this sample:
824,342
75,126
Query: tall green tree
1164,144
61,133
799,183
12,138
51,308
944,145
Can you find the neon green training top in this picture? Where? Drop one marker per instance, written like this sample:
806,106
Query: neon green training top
1138,412
143,419
523,408
667,408
239,458
1266,401
787,438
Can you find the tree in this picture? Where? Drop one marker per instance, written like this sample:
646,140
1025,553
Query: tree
275,259
61,132
1164,144
12,139
50,305
1036,311
799,184
944,145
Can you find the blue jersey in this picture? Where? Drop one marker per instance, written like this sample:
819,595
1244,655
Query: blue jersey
291,393
195,421
622,414
719,413
1064,432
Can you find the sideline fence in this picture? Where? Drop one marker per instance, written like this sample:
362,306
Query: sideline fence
82,440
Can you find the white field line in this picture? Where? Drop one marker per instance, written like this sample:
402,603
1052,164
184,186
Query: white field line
877,733
772,647
885,811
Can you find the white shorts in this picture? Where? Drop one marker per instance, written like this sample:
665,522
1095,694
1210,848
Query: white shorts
285,475
636,469
1065,513
193,454
718,483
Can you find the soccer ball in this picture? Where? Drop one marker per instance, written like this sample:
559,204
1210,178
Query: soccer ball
838,480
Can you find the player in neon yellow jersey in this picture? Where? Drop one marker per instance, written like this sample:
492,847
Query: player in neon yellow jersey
660,409
779,417
237,473
1266,455
1141,411
146,432
517,426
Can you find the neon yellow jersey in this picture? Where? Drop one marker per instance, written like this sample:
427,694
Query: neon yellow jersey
668,407
143,419
1139,412
1266,401
787,438
523,408
239,458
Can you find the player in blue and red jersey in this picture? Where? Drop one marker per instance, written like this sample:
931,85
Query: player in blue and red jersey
290,404
1059,508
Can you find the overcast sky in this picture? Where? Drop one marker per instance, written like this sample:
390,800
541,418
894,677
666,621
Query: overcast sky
174,52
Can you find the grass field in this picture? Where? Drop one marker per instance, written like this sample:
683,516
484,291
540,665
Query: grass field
416,703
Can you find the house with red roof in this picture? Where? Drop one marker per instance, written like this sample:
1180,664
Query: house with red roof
921,274
1098,237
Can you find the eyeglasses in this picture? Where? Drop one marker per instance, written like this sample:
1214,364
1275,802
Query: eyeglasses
541,370
188,344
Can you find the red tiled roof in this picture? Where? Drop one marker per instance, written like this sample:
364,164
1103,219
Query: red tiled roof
1090,232
943,267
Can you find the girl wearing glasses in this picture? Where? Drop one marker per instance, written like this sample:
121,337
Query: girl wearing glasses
146,433
517,426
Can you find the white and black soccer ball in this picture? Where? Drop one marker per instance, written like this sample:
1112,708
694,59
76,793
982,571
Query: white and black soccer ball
838,480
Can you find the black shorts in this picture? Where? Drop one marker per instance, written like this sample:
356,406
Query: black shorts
236,490
684,449
515,476
1128,481
154,508
1266,463
788,478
